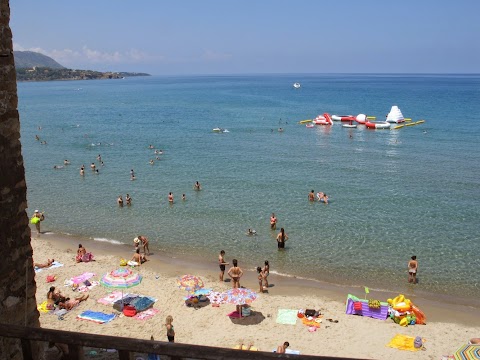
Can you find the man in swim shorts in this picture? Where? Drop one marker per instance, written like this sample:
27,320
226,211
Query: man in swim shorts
221,264
311,196
412,270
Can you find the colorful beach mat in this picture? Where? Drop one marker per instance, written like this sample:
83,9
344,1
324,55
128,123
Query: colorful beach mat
147,314
95,316
112,297
287,316
81,278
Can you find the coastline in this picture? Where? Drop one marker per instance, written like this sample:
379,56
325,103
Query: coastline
448,326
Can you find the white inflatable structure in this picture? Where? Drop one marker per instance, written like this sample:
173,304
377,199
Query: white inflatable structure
395,115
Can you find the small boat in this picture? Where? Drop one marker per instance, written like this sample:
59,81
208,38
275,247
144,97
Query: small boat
297,85
377,125
220,130
395,115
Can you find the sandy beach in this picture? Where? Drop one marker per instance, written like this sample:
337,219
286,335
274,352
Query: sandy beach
352,336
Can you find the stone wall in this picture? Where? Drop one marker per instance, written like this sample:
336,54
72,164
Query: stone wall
17,280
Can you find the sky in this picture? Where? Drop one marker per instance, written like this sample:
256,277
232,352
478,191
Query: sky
188,37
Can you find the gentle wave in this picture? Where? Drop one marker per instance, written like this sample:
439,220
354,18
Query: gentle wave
111,241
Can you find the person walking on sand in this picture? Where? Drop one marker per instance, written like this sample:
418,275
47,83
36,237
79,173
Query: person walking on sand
235,273
273,222
281,238
36,219
282,348
221,264
170,330
144,241
311,196
412,270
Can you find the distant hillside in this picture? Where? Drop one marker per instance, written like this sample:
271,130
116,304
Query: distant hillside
33,66
29,59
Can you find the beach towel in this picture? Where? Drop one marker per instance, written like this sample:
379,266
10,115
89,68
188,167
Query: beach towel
234,314
118,305
95,316
85,288
142,303
403,342
312,323
289,351
147,314
112,297
287,316
54,265
82,278
43,307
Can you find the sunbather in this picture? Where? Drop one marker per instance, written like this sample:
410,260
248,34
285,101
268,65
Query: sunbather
281,348
69,304
44,265
54,297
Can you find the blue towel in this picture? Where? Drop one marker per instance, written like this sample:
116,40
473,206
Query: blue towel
142,303
96,316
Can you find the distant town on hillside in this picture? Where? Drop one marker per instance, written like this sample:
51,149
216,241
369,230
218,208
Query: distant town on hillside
34,66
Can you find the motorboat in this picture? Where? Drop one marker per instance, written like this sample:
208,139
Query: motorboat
395,115
297,85
377,125
220,130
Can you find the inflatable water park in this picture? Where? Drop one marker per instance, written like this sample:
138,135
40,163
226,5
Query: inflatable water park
393,121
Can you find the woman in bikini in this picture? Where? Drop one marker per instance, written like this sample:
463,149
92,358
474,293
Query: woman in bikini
235,273
266,272
69,304
273,222
261,277
281,238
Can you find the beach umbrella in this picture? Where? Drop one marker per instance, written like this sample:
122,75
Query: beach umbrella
122,278
191,283
239,296
467,352
215,297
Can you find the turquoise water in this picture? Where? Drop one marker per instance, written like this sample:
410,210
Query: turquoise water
394,193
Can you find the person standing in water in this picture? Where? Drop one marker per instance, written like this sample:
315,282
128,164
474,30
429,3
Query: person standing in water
170,198
311,196
36,219
120,201
197,186
282,237
128,199
273,222
412,270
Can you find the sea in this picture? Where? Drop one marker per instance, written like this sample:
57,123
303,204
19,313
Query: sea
393,193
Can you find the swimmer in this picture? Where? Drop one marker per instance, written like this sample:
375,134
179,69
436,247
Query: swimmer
57,167
197,186
120,201
273,222
280,129
150,146
311,196
97,172
325,199
170,198
184,197
92,166
128,199
99,157
251,232
151,162
157,157
66,162
43,143
37,137
103,164
132,175
320,196
82,171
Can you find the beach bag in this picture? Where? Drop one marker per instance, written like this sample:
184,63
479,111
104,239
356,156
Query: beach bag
123,262
129,311
310,312
418,343
87,283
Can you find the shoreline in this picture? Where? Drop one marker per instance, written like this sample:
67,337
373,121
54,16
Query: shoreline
347,336
284,285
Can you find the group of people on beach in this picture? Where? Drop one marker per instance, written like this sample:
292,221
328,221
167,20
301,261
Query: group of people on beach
321,197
